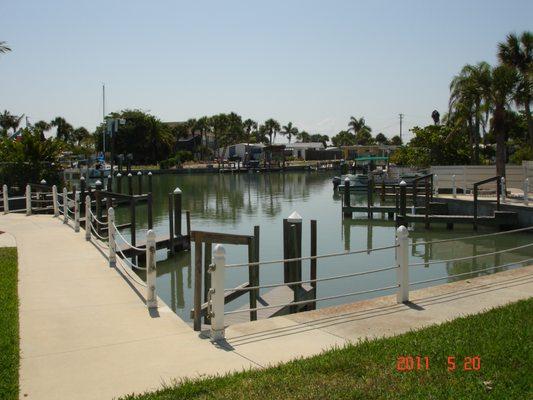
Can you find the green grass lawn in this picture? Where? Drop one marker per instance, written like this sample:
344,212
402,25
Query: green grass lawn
9,325
502,339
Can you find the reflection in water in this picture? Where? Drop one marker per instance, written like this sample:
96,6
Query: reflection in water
234,203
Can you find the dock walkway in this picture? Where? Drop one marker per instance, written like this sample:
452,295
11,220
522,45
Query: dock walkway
86,333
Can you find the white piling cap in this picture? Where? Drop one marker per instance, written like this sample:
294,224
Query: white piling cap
139,173
150,173
111,212
403,183
177,191
98,182
294,218
129,174
43,182
347,179
119,175
150,235
82,178
219,250
402,232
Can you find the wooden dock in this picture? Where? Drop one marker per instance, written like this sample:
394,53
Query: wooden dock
180,242
500,219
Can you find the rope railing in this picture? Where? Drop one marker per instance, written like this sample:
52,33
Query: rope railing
125,241
94,231
343,253
473,237
96,219
296,303
471,257
470,272
329,278
133,277
131,263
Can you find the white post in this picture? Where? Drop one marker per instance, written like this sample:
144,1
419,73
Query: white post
5,194
65,205
151,298
436,185
54,200
87,217
28,200
402,259
76,211
216,293
454,188
526,192
504,189
111,233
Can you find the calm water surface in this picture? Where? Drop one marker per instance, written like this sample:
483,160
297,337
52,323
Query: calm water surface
235,203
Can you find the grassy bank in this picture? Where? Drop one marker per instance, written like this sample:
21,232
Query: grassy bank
502,338
9,326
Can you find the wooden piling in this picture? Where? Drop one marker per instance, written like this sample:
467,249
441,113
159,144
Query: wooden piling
150,185
130,184
475,206
208,248
403,198
313,262
188,218
150,210
427,202
347,197
119,183
140,182
370,197
177,211
197,323
171,222
382,190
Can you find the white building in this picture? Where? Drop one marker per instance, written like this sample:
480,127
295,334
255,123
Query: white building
240,150
298,149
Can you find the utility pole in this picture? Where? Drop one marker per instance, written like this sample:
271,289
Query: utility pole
103,117
401,120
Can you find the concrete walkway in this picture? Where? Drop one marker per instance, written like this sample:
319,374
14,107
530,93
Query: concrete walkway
86,333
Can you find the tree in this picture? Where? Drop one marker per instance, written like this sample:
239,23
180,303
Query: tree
80,135
250,128
381,139
143,135
517,52
503,84
435,115
432,145
64,129
364,136
343,138
470,103
9,121
396,141
355,124
4,48
30,159
289,130
317,137
272,128
303,137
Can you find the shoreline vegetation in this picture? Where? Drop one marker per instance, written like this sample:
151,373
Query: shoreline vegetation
487,121
9,325
495,347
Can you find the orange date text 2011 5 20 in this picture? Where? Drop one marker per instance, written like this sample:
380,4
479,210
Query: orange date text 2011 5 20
421,363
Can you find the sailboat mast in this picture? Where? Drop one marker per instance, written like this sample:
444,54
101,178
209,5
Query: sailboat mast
103,116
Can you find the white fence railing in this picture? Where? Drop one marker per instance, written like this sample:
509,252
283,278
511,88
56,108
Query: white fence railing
216,294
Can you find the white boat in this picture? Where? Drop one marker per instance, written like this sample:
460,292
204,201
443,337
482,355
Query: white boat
357,182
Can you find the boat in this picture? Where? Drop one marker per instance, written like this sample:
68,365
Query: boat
357,182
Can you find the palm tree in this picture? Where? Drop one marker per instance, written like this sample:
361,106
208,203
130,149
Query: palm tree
272,128
303,136
64,129
289,130
250,126
4,48
355,125
503,84
80,134
381,139
469,102
517,52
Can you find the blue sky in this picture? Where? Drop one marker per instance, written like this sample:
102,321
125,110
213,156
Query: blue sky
314,63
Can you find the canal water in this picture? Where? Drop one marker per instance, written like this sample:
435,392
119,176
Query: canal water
234,203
